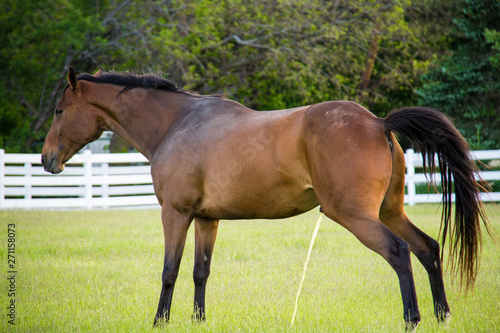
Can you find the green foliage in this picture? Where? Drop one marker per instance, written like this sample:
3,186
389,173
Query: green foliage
266,59
466,84
493,37
34,36
267,54
39,40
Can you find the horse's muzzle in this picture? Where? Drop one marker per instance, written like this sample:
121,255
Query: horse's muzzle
51,164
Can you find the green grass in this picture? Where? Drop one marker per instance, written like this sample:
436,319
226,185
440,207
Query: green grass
99,271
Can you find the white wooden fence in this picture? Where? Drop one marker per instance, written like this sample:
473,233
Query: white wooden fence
118,180
88,181
414,163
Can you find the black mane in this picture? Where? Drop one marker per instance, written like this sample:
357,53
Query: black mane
130,81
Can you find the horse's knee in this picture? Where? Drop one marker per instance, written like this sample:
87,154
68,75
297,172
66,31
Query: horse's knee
429,255
169,275
200,275
430,260
399,256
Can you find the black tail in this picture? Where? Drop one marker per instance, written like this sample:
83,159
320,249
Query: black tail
434,134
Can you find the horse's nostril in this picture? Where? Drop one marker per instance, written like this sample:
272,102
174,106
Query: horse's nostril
43,160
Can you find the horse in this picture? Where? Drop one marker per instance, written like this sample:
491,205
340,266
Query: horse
213,158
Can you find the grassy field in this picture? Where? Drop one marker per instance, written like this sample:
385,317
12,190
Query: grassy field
99,271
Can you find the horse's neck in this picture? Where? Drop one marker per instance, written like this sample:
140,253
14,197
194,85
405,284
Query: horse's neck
139,116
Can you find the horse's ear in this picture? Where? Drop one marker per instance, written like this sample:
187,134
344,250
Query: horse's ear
72,80
99,72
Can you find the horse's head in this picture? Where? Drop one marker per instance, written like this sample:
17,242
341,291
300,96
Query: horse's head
75,123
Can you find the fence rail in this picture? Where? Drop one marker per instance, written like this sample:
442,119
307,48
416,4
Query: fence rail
118,180
88,181
412,179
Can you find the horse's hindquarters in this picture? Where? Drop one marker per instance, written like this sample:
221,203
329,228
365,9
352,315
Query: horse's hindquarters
349,158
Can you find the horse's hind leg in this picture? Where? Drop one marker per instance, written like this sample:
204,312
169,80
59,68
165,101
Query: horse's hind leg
373,234
426,250
424,247
205,234
350,162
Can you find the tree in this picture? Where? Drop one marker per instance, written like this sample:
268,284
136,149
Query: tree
267,54
466,84
39,40
271,55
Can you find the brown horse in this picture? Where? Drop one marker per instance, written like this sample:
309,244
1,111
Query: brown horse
212,158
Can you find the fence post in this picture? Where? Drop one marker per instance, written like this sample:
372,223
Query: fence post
2,174
87,176
27,186
410,176
105,184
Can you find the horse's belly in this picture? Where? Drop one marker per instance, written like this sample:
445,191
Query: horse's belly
271,203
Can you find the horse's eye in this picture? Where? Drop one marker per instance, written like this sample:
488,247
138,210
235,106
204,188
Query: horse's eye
59,112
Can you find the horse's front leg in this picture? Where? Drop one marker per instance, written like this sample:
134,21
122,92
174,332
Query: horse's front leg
175,227
205,234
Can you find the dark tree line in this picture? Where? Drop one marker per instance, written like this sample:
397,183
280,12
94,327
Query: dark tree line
266,54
